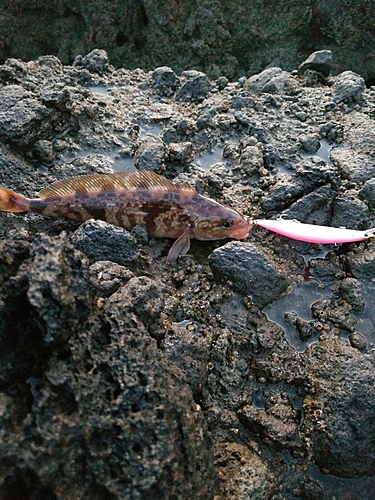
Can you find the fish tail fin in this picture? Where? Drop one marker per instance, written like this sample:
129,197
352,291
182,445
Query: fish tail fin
12,202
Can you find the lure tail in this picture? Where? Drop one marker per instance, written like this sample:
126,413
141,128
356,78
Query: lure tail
12,202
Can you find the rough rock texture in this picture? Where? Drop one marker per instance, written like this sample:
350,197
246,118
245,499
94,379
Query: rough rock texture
245,370
229,38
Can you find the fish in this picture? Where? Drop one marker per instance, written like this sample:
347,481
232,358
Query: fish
312,233
127,199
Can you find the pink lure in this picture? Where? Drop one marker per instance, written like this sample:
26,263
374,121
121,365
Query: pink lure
314,234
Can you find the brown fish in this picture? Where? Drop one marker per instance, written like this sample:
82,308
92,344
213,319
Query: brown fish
139,197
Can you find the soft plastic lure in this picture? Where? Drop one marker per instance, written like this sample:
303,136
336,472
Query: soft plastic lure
314,234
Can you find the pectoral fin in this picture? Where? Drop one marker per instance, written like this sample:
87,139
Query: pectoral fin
180,246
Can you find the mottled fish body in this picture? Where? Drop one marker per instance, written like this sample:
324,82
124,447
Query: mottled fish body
127,199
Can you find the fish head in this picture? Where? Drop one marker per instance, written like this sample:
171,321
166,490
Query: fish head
227,223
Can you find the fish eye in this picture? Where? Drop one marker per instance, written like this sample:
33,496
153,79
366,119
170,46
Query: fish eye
227,222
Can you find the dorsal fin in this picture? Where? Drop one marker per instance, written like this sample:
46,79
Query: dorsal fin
117,181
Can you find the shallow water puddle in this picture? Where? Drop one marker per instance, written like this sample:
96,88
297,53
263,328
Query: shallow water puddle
210,157
150,128
323,151
298,302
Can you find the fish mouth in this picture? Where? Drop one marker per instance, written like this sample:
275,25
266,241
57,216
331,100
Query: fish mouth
243,231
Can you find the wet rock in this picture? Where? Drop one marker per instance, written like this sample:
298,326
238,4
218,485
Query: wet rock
277,424
180,152
358,341
243,473
102,241
348,86
150,154
272,81
351,290
341,407
165,80
108,277
250,271
310,143
320,61
196,87
96,61
342,318
362,262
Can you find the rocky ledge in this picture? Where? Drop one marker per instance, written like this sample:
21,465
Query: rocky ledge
246,370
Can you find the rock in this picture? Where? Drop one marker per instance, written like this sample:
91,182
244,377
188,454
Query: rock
96,61
348,211
348,86
222,82
165,80
196,87
310,143
250,271
150,154
351,290
249,477
272,81
307,181
277,423
108,276
58,287
367,193
354,157
21,121
320,61
339,408
362,262
357,341
313,208
102,241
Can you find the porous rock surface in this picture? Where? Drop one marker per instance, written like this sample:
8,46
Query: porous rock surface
123,377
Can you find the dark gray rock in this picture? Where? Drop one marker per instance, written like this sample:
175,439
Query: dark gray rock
348,211
367,193
307,179
150,154
102,241
58,286
351,290
250,271
272,81
96,61
362,262
165,80
196,87
313,208
320,61
108,277
348,87
340,408
21,122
